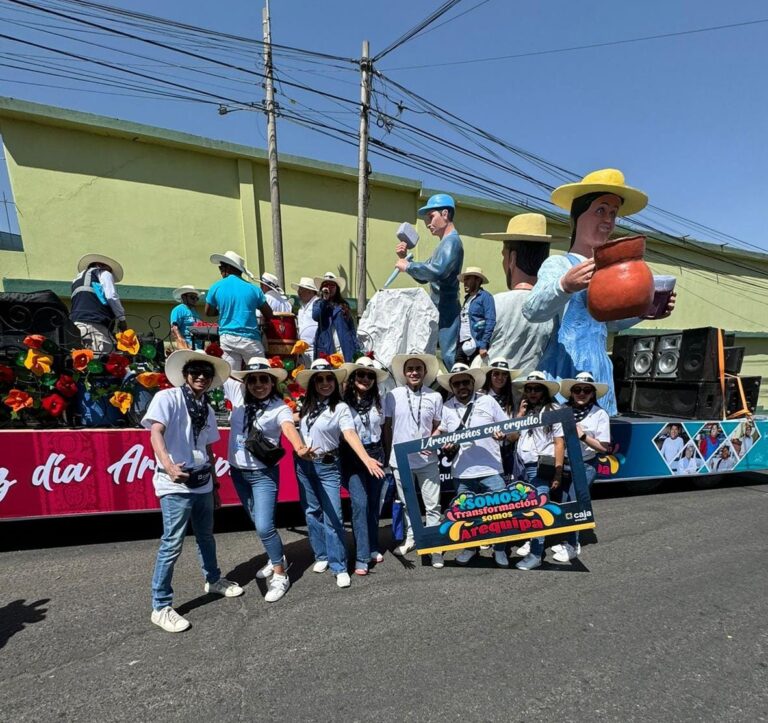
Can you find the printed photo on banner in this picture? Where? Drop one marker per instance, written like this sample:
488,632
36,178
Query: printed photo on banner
709,439
670,442
689,461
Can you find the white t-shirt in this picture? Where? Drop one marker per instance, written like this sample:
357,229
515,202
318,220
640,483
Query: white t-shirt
671,448
269,422
168,408
413,415
307,325
538,441
483,457
327,428
597,424
368,426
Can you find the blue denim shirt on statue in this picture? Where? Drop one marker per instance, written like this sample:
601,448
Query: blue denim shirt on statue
441,270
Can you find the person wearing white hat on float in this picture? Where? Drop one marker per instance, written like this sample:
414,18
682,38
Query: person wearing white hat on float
276,298
95,302
525,248
307,293
335,326
258,405
498,384
593,426
413,411
535,443
184,315
477,318
578,341
236,302
324,421
182,431
476,466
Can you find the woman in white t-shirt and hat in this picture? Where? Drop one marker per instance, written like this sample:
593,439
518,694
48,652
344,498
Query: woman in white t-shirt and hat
257,405
182,431
323,421
593,426
498,384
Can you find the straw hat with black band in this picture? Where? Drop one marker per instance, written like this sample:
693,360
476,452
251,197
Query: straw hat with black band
537,378
460,369
260,365
500,364
187,289
399,361
114,266
368,365
174,366
230,258
304,377
329,276
583,379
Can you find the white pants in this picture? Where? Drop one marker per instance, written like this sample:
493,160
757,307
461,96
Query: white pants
427,479
239,349
96,337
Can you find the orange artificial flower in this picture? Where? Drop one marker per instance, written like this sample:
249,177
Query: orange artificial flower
128,341
299,347
80,358
34,341
121,400
336,360
299,368
290,404
18,400
38,362
149,380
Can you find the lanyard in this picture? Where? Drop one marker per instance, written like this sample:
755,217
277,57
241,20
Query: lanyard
415,417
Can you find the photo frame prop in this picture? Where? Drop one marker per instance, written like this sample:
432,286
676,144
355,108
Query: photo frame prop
516,513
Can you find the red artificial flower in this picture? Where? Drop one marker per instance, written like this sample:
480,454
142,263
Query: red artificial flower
295,390
228,405
34,341
322,355
164,383
66,386
6,374
213,349
80,359
291,404
276,362
18,400
54,404
117,364
369,354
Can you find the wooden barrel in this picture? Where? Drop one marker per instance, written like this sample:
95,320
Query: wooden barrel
281,334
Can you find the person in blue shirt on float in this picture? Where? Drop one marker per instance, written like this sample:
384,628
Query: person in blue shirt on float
477,319
235,302
184,315
440,271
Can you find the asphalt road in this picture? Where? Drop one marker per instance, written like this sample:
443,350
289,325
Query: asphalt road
665,618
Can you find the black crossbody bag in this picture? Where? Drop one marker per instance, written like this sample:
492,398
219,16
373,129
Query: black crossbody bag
261,448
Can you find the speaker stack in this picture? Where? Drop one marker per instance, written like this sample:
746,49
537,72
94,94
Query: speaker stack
678,375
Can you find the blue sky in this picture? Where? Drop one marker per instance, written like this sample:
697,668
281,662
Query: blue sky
684,117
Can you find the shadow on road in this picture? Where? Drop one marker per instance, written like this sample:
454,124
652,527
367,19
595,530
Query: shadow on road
17,615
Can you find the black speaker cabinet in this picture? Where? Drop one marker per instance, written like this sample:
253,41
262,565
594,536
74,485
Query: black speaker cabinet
686,400
633,357
698,355
751,386
734,358
667,357
620,357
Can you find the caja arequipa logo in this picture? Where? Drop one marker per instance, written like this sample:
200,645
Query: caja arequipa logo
516,509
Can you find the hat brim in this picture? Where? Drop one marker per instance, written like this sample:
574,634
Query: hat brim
429,361
305,375
303,286
444,380
351,367
88,259
341,283
279,374
565,387
633,199
217,259
176,361
181,291
482,277
552,386
518,237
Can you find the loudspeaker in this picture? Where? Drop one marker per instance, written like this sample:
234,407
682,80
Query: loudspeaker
751,386
667,359
642,357
684,400
620,357
698,355
734,357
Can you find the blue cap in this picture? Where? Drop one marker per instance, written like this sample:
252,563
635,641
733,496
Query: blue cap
439,200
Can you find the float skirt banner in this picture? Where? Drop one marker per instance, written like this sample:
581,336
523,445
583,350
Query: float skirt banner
53,473
515,513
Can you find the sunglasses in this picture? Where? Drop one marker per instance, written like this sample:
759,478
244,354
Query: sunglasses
205,372
325,378
258,379
365,375
535,389
463,383
582,390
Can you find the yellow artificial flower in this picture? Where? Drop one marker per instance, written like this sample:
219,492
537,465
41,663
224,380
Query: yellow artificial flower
299,347
149,380
128,341
38,362
121,400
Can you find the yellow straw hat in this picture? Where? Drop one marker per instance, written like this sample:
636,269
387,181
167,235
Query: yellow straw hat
474,271
606,180
523,227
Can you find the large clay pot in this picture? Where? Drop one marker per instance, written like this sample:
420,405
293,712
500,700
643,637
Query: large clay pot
622,285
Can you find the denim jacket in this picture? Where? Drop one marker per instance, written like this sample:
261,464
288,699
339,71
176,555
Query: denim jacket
330,317
482,318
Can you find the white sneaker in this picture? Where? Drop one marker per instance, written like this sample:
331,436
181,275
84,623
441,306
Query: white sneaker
224,587
465,556
169,620
524,550
437,560
405,548
500,558
529,562
320,566
343,580
278,586
269,568
566,553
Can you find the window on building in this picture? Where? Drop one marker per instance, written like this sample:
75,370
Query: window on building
10,235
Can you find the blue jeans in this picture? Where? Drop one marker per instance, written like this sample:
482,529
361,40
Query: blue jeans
537,543
177,511
320,497
590,470
364,492
478,485
257,490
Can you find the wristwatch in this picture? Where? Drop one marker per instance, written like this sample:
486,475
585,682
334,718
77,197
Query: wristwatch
583,437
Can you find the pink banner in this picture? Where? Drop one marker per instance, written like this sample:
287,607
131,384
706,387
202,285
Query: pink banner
76,472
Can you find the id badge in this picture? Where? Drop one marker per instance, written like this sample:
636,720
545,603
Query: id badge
198,458
240,442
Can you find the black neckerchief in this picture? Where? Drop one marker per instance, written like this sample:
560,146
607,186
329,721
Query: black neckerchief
253,410
580,412
313,416
197,408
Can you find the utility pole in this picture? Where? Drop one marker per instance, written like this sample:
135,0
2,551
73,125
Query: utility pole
274,183
366,68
